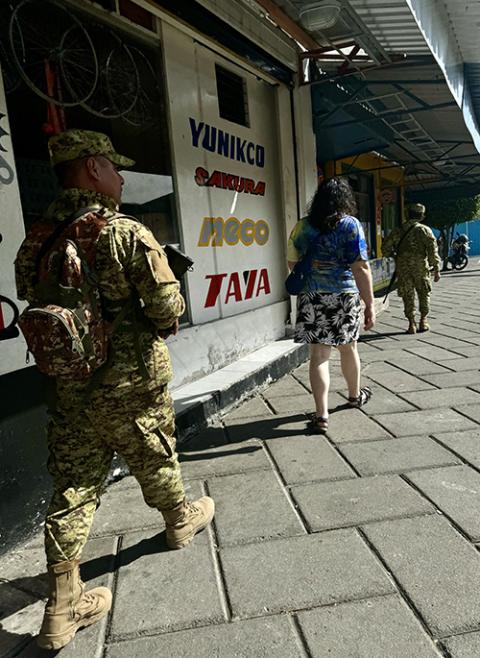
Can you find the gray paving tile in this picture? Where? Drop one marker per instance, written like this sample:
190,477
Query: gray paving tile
466,444
384,401
446,342
331,505
454,379
223,460
299,572
291,404
419,551
428,422
124,510
383,627
21,616
284,387
128,482
353,425
470,410
433,353
161,590
399,382
397,456
463,646
265,638
305,459
282,425
241,513
465,363
456,491
255,407
415,365
450,397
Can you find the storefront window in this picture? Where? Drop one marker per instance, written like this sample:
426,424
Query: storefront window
127,103
362,185
390,210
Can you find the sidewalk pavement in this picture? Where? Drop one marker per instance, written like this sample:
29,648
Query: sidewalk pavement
360,544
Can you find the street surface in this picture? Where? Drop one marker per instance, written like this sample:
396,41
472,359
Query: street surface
361,544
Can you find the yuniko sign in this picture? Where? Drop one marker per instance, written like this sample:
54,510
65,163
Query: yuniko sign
215,140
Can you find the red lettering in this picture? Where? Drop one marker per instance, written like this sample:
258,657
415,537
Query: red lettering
229,182
234,289
260,188
214,288
252,277
215,179
201,176
239,187
263,283
249,185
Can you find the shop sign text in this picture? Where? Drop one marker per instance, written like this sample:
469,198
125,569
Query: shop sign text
6,172
215,140
255,282
216,230
228,182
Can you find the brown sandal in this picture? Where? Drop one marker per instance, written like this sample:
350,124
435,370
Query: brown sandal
318,424
363,398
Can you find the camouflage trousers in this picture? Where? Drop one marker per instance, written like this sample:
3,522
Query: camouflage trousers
410,283
83,435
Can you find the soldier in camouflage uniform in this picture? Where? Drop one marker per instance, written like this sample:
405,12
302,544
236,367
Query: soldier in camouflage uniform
415,256
129,410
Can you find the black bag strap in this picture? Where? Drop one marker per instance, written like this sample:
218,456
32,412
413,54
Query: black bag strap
57,232
402,238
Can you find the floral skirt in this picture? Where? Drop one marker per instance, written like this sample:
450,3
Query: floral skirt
328,318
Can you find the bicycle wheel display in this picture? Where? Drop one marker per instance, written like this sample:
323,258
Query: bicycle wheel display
11,76
148,107
56,58
117,86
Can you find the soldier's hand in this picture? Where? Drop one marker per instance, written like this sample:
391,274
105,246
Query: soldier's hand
171,331
436,277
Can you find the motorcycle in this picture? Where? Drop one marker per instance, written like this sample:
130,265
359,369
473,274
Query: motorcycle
458,257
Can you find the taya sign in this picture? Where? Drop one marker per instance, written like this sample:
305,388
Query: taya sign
228,182
253,286
216,230
218,141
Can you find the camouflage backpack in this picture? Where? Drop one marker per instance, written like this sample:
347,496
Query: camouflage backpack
65,330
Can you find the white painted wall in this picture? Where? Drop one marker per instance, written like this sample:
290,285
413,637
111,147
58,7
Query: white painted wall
12,351
192,95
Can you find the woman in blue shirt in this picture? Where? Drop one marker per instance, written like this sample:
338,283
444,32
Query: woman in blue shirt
328,308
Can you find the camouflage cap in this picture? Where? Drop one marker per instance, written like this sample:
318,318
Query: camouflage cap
417,208
73,144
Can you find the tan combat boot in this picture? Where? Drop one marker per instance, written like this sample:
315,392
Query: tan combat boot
412,327
186,519
69,607
423,326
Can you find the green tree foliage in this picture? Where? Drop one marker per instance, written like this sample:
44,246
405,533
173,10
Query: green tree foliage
443,214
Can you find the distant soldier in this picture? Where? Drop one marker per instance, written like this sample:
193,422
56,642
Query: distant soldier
414,248
127,409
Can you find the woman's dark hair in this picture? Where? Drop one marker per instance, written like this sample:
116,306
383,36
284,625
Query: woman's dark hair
333,200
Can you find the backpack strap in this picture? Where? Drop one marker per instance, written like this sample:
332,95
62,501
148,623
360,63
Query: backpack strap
57,232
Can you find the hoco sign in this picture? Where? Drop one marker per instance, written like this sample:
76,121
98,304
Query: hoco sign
218,141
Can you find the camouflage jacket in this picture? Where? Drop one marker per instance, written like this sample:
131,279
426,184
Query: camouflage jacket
130,265
418,250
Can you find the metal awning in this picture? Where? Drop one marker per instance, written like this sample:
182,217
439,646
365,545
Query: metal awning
377,76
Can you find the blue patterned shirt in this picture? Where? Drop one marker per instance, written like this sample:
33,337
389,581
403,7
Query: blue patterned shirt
332,255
